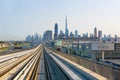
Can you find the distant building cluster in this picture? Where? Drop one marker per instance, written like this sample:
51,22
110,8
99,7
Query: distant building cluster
47,36
33,38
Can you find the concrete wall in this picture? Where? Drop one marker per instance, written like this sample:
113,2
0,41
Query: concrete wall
100,68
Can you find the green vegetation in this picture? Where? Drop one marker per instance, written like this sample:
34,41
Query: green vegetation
1,41
20,44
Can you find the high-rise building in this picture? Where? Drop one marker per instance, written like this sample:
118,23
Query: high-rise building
91,35
47,36
95,32
79,36
71,34
61,35
33,38
36,38
104,37
66,29
100,34
56,32
29,38
40,38
116,38
76,33
85,35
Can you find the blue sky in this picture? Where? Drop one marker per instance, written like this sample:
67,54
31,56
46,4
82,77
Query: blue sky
18,18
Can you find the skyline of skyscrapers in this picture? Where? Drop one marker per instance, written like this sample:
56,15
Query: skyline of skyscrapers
33,38
47,36
61,34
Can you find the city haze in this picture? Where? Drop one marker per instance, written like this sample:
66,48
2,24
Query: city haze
20,18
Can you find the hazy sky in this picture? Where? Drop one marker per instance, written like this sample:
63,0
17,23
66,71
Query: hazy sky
18,18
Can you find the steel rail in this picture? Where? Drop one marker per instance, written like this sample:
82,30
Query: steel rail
26,67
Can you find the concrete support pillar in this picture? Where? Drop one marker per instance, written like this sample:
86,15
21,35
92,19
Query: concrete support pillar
62,46
68,47
103,55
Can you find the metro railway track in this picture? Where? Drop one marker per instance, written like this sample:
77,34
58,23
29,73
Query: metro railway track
3,64
9,61
33,73
19,72
74,69
53,71
25,69
28,65
69,70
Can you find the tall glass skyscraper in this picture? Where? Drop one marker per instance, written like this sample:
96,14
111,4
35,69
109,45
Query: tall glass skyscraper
100,34
66,29
95,32
56,32
47,36
76,33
